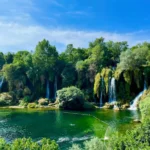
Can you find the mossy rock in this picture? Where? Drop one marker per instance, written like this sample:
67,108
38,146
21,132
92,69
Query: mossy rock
5,99
32,105
125,106
23,103
43,101
108,106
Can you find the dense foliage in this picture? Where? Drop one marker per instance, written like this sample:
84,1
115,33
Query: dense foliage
29,75
71,98
93,144
28,144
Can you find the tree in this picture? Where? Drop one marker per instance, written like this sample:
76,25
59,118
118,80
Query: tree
115,49
2,60
68,75
9,58
45,58
130,60
70,98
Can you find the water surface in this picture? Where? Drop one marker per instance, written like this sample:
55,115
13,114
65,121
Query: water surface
63,126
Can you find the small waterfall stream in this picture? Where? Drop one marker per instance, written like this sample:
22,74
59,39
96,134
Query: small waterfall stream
1,82
47,90
112,91
135,101
101,92
55,88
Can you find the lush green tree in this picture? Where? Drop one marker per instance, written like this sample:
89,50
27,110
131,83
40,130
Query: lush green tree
115,49
72,55
2,60
130,60
45,58
9,58
70,98
14,75
68,75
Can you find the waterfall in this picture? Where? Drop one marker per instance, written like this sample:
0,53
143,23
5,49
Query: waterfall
112,91
101,92
1,82
55,88
135,101
47,90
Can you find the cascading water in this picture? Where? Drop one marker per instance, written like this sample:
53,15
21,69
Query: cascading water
112,91
55,88
135,101
47,90
1,82
101,92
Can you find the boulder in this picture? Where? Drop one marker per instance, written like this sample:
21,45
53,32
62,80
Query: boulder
32,105
108,106
5,99
125,106
43,102
116,108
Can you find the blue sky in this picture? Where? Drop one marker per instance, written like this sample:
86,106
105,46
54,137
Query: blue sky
25,22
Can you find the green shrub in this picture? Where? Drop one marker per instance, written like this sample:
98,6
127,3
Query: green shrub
47,144
93,144
145,107
71,98
23,103
32,105
28,144
27,99
138,138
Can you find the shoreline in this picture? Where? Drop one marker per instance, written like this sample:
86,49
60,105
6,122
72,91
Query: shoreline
22,107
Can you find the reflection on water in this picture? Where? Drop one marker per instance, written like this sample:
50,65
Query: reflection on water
65,127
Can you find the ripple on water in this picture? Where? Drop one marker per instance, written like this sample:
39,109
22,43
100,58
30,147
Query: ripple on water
3,121
72,140
63,139
77,139
72,125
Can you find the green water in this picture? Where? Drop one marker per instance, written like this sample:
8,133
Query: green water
63,126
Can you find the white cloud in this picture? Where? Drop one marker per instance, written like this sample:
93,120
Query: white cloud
14,37
78,12
19,30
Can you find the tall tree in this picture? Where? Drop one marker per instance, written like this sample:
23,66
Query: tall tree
45,58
